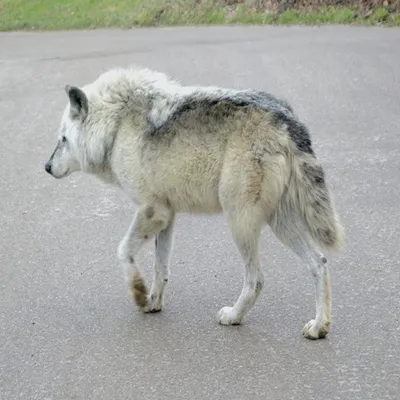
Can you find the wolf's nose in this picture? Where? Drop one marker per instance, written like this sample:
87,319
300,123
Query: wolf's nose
47,167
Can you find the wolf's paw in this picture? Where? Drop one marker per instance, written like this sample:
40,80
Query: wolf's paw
313,330
154,304
139,291
227,316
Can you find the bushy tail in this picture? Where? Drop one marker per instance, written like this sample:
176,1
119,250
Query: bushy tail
308,197
315,203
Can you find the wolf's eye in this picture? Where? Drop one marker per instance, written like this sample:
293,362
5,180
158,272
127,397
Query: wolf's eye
63,139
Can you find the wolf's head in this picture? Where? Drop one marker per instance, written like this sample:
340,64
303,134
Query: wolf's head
66,158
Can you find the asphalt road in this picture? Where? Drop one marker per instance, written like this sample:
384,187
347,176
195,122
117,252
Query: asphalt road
68,329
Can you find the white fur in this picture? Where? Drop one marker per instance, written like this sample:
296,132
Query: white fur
177,149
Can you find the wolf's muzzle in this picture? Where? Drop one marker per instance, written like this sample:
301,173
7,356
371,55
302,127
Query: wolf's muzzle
47,167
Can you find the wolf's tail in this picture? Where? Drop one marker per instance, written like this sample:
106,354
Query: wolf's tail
308,199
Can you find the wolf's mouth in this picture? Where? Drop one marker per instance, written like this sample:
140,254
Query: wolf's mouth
63,175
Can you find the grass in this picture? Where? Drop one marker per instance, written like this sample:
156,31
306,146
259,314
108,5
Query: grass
91,14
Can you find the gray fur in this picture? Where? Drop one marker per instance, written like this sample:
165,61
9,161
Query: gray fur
178,149
219,105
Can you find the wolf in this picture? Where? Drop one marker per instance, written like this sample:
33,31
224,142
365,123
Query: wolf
202,150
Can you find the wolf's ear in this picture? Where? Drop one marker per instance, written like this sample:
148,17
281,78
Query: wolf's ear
79,104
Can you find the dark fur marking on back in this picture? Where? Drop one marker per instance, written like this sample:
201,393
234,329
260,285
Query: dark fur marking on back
297,131
223,105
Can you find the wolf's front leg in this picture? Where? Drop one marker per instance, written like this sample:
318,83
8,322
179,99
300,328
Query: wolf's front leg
148,221
163,245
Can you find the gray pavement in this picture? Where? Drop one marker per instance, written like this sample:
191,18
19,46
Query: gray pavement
68,329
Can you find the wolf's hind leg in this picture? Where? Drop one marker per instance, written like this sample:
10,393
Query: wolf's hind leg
293,234
246,227
148,221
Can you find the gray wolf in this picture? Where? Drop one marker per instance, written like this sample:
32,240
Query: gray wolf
182,149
